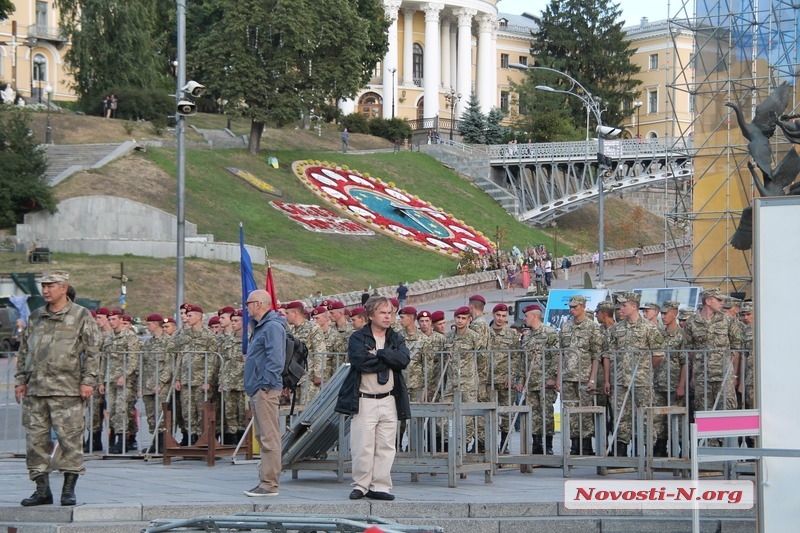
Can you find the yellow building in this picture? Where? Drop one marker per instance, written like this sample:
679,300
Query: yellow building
32,50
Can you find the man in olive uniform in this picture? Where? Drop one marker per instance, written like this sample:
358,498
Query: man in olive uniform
122,376
479,324
460,345
717,338
339,317
669,377
581,344
336,344
56,373
310,333
97,403
747,382
156,377
231,381
414,340
432,358
439,322
505,356
358,318
650,312
540,369
635,348
198,370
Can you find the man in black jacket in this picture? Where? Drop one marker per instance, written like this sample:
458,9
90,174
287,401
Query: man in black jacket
375,394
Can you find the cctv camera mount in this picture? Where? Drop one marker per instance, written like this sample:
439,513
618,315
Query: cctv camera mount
608,131
186,108
193,88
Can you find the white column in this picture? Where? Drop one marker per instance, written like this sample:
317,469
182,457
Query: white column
464,69
390,8
495,95
485,77
431,67
453,49
408,46
445,55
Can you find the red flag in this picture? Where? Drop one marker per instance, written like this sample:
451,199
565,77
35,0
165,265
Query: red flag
271,288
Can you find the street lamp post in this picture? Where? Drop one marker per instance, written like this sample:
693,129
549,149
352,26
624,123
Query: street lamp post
39,61
48,135
592,104
452,98
638,107
393,71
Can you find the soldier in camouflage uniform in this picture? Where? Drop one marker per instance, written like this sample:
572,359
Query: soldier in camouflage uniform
718,338
581,344
505,356
650,313
439,322
460,345
98,401
198,370
358,318
635,347
231,381
310,333
339,317
156,377
479,324
539,367
669,377
336,344
56,373
431,356
225,315
122,377
747,385
415,340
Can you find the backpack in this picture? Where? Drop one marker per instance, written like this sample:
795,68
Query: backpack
296,362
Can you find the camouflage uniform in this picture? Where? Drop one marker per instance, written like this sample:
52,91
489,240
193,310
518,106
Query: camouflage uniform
539,364
749,367
312,335
462,372
504,344
413,373
428,372
712,368
156,374
337,350
581,343
122,362
198,365
632,346
481,327
667,376
98,401
58,353
231,380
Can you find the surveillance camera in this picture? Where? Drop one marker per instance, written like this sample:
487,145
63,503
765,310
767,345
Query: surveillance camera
186,108
608,131
194,88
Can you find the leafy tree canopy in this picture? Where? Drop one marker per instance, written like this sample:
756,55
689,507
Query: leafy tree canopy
6,9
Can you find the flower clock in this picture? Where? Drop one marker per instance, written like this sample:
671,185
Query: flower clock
391,210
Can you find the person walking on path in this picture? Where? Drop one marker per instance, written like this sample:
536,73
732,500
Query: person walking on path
345,140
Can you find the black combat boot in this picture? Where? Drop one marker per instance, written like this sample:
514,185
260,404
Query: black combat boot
549,444
117,447
587,446
97,444
87,444
622,449
184,438
68,491
536,448
42,495
573,450
130,444
229,438
660,448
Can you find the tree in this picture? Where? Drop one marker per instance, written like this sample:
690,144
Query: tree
22,166
472,125
494,131
113,43
6,9
585,39
543,117
276,60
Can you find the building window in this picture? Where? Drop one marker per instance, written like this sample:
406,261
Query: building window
504,101
653,61
418,64
41,14
652,101
523,60
503,60
370,105
522,105
39,68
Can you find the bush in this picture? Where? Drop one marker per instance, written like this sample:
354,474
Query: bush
392,129
133,103
355,123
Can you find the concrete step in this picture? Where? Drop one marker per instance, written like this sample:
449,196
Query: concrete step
63,157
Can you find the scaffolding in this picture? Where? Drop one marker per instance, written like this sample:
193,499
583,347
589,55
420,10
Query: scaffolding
742,50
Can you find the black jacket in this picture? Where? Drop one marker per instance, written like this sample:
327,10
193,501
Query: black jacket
394,356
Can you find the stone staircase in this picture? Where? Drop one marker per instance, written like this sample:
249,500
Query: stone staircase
66,159
221,138
473,163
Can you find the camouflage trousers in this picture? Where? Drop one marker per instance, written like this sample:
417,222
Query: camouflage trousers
709,393
639,397
192,408
541,422
65,416
95,406
235,406
153,409
579,426
470,423
661,423
307,391
121,408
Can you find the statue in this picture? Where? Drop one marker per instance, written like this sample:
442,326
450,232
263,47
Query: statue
8,95
775,179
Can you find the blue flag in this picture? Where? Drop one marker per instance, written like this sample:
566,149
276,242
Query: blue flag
248,285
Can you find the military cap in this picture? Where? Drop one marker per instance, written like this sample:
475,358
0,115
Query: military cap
423,314
168,320
238,312
408,310
185,306
437,316
685,314
606,305
530,307
55,276
669,305
360,310
194,309
336,304
226,310
115,312
281,306
747,308
102,311
463,310
628,297
326,303
213,320
318,310
712,293
477,298
155,317
93,312
650,305
499,307
395,302
729,302
127,318
295,305
577,299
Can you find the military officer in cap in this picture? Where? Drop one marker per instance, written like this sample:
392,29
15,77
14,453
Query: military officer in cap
439,322
122,378
669,377
747,385
461,345
358,318
231,382
415,341
339,317
94,442
156,377
334,342
479,324
500,372
431,357
310,333
650,312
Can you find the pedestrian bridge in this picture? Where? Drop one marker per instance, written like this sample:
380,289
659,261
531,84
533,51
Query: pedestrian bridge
552,179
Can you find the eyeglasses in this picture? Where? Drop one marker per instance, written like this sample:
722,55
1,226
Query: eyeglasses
253,302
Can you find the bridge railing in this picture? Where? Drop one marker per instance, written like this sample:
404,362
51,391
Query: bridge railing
613,148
